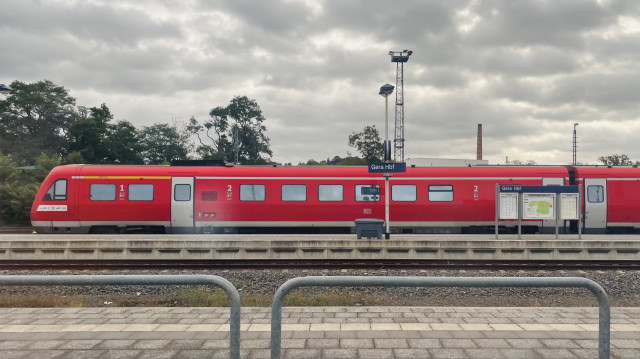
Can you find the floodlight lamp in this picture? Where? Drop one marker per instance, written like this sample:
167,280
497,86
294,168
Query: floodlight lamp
386,90
5,89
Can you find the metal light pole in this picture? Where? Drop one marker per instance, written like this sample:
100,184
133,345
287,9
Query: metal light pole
385,91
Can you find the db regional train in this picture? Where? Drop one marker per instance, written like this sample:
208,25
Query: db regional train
268,199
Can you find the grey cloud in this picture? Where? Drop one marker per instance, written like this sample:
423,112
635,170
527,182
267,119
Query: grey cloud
282,18
87,21
521,62
523,23
405,22
606,90
444,78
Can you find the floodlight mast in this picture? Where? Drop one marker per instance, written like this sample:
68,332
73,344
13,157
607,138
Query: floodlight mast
575,144
399,57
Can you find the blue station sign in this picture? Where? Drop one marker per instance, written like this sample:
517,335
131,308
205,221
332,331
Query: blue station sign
384,167
538,189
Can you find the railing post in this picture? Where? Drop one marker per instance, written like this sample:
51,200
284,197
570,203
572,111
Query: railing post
94,280
465,282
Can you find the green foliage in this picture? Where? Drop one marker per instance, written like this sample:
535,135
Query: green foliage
162,143
88,135
35,119
236,128
124,144
523,163
337,161
368,143
18,188
616,160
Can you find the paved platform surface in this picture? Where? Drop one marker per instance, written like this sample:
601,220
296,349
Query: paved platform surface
317,332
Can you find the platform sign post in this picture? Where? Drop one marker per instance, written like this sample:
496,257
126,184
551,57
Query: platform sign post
387,235
387,168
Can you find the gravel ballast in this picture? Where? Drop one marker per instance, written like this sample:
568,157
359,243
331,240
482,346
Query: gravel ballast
623,287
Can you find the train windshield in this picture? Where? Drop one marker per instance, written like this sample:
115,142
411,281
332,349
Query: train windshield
57,191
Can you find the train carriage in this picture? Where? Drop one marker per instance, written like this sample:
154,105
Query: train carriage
611,198
266,199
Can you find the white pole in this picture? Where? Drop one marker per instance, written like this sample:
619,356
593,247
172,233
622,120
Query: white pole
386,121
386,204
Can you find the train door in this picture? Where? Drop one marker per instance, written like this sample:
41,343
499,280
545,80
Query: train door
549,225
595,205
182,190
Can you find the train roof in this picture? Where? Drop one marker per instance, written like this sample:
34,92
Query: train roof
306,171
607,171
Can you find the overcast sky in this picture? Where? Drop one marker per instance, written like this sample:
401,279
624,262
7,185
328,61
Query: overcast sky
526,70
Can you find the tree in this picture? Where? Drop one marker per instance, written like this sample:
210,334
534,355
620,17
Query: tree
523,163
368,143
615,160
124,143
34,119
87,135
18,188
237,128
161,143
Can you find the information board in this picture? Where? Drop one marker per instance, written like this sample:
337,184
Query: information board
508,206
538,206
569,206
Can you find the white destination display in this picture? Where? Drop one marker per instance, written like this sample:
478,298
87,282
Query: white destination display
538,205
569,206
508,206
52,208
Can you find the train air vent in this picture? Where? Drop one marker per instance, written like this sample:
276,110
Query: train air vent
197,163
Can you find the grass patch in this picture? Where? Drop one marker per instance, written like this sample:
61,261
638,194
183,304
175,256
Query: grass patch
185,297
47,301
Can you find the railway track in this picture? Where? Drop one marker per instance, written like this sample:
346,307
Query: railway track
329,264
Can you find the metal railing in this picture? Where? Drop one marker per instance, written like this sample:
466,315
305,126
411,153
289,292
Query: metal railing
475,282
95,280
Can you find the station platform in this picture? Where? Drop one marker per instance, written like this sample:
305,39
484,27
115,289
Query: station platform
317,332
413,247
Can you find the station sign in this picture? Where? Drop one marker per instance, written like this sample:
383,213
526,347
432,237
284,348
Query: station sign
538,189
387,167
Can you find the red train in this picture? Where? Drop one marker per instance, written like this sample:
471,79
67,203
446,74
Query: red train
223,199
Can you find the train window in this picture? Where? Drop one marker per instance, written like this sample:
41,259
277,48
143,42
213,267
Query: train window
210,196
367,192
252,192
57,191
182,192
330,192
403,193
103,192
294,192
441,193
140,192
595,194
